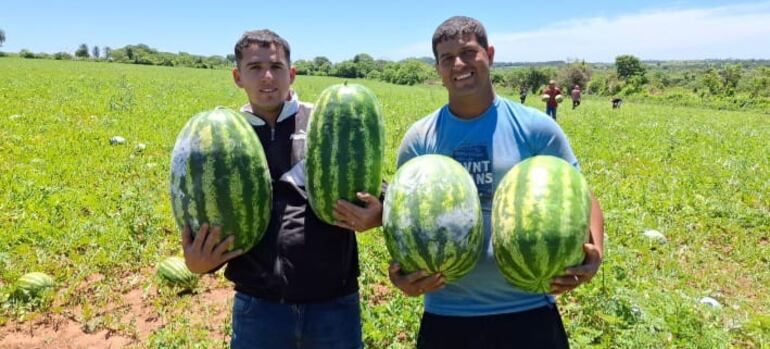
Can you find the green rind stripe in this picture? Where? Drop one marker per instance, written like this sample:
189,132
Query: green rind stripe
420,217
342,155
313,162
220,160
225,180
35,281
548,200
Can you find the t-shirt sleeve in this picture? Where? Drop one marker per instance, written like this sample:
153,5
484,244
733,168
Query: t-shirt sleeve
412,146
549,139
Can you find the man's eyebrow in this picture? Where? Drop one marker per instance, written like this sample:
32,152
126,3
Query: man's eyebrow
257,62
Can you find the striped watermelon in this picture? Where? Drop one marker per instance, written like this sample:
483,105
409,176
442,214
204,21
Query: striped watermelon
540,216
173,271
432,217
219,175
33,284
345,148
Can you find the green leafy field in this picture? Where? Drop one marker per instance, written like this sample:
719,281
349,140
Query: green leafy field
74,206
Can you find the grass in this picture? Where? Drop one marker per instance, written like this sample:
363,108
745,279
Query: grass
74,206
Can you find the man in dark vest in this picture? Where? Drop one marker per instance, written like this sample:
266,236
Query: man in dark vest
298,287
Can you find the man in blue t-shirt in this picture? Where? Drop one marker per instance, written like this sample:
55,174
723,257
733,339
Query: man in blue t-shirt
488,135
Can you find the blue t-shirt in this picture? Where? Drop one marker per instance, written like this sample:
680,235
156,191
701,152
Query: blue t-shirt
488,146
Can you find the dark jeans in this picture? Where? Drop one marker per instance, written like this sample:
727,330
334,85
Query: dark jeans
539,328
551,111
334,324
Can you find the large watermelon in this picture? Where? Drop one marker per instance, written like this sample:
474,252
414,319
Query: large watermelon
432,217
173,271
345,148
540,216
219,175
34,284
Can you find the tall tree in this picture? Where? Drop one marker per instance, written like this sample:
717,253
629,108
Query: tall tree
2,37
364,64
107,52
628,66
577,73
534,78
82,51
731,76
95,52
322,65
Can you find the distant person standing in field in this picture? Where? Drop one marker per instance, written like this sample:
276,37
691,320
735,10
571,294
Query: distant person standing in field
554,97
523,94
291,291
489,134
575,96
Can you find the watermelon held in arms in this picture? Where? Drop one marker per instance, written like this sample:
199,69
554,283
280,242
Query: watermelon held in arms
345,148
559,98
540,218
545,98
219,175
432,217
32,285
173,272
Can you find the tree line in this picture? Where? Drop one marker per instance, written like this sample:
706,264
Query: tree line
728,84
722,82
407,72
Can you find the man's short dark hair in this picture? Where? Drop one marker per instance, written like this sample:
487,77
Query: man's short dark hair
458,26
263,38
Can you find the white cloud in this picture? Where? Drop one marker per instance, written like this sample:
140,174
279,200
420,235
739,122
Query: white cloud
736,31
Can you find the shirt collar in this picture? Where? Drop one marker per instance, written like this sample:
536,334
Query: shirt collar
289,108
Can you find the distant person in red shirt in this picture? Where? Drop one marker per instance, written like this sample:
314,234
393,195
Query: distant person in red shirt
575,96
553,94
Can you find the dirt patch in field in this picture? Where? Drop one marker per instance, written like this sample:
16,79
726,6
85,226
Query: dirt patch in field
128,321
379,294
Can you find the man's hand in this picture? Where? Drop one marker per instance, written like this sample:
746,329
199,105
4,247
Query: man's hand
575,276
414,284
202,254
353,217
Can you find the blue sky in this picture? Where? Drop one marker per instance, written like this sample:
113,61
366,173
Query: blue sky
596,31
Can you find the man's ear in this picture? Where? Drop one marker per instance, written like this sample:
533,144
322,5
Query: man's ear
237,77
491,54
292,74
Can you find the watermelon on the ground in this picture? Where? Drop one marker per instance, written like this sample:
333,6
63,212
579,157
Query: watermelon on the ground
219,175
33,284
540,216
345,148
173,271
432,217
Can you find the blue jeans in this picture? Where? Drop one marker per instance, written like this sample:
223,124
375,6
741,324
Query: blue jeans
331,324
551,111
